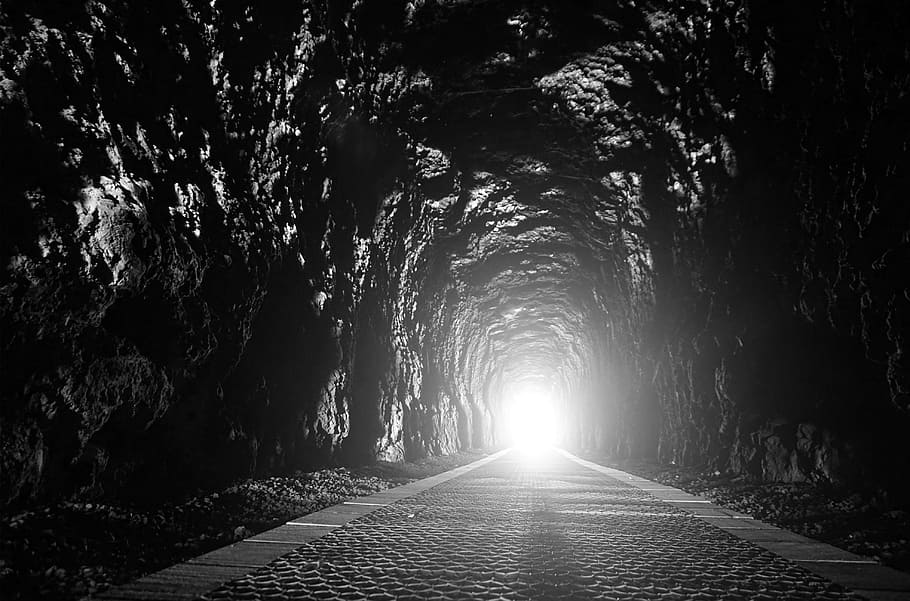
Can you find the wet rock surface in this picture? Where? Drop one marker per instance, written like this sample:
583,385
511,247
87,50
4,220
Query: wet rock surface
240,238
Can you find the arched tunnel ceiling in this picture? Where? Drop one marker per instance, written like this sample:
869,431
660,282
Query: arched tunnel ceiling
545,227
290,234
591,138
527,260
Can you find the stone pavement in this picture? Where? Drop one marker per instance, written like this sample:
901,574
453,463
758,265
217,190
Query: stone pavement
515,526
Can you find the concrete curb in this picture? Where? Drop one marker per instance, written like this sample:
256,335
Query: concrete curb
862,575
188,580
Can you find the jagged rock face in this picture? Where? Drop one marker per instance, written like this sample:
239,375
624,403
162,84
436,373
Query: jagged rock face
248,237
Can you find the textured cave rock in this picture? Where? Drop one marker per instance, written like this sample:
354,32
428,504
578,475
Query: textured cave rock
249,237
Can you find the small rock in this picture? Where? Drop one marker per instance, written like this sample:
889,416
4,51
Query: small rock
241,532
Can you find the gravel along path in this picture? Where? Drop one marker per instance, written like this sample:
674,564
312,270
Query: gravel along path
546,527
72,549
68,550
863,522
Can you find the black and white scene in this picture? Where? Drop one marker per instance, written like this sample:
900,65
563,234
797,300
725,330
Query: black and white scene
452,300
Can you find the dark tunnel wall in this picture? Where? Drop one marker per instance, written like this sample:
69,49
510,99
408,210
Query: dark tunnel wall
246,237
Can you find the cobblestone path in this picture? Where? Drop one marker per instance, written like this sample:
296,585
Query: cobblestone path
519,527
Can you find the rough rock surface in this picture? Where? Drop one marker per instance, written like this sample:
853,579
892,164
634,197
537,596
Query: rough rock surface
240,238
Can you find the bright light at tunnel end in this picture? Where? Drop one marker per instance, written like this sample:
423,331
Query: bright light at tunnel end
532,422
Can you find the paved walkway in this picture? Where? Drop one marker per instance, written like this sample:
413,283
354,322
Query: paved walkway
554,527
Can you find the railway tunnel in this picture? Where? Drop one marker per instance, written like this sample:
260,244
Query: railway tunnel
245,238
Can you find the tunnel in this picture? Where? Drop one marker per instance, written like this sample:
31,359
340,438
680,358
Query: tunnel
243,238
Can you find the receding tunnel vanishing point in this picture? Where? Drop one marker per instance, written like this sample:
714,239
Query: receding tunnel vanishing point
245,238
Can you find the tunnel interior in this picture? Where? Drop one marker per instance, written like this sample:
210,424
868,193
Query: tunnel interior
243,238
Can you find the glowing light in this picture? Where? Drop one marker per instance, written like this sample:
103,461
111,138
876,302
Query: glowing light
531,419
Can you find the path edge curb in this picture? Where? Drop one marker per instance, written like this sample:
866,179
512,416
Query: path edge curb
859,574
196,576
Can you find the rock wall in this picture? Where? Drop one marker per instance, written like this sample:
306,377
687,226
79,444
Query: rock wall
783,343
243,238
191,192
770,143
